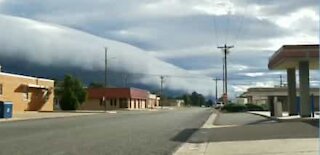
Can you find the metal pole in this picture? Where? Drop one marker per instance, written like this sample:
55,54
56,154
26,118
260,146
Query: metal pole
216,90
161,89
225,72
312,105
105,67
125,80
223,77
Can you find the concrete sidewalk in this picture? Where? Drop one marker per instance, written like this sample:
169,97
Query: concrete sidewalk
269,137
265,147
46,115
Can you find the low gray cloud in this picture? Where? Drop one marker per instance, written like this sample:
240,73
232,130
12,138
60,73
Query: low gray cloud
176,35
53,45
276,7
140,24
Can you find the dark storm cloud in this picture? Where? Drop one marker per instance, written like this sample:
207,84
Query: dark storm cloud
200,30
178,33
125,21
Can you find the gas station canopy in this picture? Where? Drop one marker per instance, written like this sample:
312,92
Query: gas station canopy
289,56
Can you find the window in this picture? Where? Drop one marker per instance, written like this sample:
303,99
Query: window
111,102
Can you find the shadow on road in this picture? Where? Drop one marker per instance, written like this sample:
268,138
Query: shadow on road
250,128
314,122
184,135
288,130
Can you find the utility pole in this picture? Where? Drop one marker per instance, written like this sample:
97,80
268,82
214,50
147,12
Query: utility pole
161,90
105,67
225,49
216,79
223,77
125,79
281,82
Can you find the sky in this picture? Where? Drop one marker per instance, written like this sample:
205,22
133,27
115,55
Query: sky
177,38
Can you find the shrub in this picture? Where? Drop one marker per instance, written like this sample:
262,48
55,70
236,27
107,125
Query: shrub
254,107
265,107
234,108
69,101
72,93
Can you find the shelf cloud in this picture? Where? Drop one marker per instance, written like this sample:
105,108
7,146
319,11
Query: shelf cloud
54,45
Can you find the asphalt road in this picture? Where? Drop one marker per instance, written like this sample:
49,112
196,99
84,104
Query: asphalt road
131,133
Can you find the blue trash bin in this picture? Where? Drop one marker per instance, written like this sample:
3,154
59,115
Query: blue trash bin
5,109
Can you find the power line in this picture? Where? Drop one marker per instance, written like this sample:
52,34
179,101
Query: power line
228,26
215,30
168,75
225,30
240,26
192,77
239,31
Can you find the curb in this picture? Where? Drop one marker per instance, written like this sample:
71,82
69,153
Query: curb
39,118
217,117
286,120
84,113
209,122
272,118
298,120
201,148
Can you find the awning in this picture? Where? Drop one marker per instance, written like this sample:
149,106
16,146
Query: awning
46,90
37,86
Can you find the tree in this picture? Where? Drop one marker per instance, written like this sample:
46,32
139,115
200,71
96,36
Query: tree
95,85
209,103
186,99
194,99
201,100
72,93
197,99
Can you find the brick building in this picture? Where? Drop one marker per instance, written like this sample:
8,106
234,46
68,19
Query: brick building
117,98
27,93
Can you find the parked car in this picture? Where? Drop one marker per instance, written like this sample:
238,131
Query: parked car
218,105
